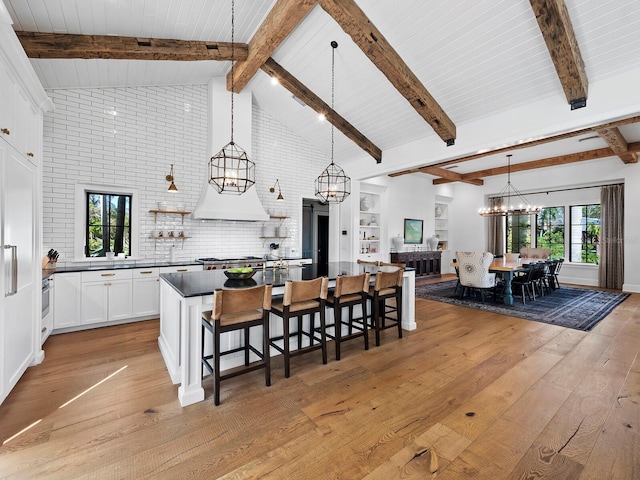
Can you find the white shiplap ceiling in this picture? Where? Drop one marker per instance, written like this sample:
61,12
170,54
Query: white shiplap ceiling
475,57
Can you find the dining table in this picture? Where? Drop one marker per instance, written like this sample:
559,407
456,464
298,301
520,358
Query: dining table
507,269
184,296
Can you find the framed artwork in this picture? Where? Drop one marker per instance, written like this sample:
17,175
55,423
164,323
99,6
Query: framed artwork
412,230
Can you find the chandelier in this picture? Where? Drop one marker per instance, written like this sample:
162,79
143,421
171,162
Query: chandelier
509,201
231,170
333,185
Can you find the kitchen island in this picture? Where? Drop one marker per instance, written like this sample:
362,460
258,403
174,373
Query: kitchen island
184,296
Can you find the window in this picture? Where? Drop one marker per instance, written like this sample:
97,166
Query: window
518,232
585,233
105,232
108,224
550,230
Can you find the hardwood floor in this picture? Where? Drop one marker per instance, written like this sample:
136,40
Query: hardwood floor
468,395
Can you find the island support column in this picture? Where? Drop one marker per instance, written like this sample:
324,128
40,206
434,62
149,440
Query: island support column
190,390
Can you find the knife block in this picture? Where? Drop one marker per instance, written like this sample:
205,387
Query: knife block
48,264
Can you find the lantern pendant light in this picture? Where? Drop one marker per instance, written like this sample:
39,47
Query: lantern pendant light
333,185
230,170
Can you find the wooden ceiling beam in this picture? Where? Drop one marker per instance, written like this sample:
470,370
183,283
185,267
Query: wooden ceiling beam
555,25
373,44
451,176
291,83
281,20
532,143
54,45
544,163
618,144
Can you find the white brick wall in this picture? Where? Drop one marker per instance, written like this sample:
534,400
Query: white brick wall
84,143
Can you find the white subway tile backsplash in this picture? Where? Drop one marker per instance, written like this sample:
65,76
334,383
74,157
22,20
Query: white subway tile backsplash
152,131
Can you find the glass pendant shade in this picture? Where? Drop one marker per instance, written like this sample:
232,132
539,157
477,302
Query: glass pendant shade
333,185
231,170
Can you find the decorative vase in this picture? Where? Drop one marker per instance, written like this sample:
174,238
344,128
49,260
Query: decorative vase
432,242
398,242
365,203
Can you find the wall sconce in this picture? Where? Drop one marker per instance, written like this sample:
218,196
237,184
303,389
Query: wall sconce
273,190
170,178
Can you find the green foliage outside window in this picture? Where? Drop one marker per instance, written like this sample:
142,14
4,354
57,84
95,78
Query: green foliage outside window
585,233
518,232
550,230
108,224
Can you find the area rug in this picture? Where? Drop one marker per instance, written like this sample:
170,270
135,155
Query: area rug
571,307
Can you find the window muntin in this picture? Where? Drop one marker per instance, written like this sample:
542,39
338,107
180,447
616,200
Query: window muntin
518,232
108,224
585,233
550,228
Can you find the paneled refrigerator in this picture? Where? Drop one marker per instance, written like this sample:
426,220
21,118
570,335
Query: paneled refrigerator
19,319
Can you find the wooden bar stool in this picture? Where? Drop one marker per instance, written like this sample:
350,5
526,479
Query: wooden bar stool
303,297
388,285
350,291
238,310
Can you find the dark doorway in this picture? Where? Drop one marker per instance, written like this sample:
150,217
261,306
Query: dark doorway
323,244
315,233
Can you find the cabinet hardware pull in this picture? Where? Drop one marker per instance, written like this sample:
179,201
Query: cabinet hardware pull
29,154
44,329
107,274
6,131
182,270
146,272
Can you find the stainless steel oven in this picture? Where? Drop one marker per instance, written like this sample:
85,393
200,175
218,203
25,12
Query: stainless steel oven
46,296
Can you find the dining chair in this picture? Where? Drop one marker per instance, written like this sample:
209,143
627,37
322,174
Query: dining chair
302,297
387,286
557,271
473,269
234,310
522,285
350,291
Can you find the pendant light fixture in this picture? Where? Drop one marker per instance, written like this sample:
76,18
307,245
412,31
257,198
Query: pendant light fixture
230,170
333,185
170,178
508,195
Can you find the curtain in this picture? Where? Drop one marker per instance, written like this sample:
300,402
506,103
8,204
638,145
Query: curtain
611,272
496,229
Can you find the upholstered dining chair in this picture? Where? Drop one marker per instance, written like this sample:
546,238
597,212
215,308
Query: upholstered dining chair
474,272
233,310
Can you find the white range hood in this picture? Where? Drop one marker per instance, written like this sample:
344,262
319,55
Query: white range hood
211,204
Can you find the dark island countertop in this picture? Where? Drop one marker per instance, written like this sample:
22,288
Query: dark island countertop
194,284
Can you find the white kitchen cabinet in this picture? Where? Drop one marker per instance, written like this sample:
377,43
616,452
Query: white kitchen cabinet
22,101
19,302
106,296
146,292
66,300
181,269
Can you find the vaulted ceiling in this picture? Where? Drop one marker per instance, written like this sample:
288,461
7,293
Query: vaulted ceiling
404,70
